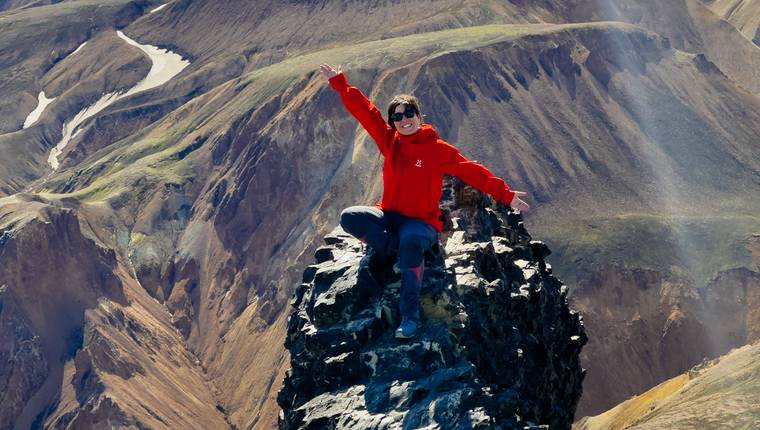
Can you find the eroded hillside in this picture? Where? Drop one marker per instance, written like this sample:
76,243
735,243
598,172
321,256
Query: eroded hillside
716,394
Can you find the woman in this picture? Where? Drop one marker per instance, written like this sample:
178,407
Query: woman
407,220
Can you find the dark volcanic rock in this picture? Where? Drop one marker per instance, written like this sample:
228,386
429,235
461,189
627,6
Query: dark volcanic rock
23,367
499,346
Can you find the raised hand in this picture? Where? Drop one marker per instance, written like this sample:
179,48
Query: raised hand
328,71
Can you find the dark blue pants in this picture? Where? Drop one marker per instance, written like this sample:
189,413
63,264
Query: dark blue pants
388,233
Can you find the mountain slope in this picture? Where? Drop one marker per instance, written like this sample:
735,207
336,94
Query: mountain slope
60,28
18,4
99,350
689,25
74,78
271,31
743,14
719,394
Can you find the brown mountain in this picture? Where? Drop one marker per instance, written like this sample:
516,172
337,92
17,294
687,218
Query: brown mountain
19,4
635,141
743,14
716,394
690,26
35,45
94,346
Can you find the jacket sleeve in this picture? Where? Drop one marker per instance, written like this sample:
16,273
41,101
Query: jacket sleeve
476,175
364,111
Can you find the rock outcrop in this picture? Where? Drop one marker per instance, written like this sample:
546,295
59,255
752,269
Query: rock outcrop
24,366
499,346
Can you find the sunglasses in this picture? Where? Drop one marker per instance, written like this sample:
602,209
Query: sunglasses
409,112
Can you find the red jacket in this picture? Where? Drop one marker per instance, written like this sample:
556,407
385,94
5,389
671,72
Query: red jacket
414,165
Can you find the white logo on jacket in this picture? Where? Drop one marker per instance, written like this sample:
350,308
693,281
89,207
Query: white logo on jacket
418,163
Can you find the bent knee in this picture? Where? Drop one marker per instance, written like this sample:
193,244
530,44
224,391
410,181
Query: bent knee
355,219
348,218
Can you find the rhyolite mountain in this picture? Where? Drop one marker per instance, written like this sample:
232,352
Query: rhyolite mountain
498,348
743,14
172,236
715,394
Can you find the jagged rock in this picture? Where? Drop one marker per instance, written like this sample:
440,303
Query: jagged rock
498,348
24,367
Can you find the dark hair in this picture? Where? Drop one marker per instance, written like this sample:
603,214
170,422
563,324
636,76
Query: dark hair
403,99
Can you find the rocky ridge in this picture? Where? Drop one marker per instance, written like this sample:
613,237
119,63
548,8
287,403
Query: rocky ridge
499,346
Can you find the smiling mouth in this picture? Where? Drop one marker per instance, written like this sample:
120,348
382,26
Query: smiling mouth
406,126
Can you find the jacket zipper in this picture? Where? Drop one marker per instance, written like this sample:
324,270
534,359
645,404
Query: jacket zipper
398,178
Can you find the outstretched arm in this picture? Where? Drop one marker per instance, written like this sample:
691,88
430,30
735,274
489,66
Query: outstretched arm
480,177
360,107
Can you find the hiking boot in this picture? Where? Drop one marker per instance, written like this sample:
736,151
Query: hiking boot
407,328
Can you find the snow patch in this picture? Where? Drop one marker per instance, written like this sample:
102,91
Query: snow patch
69,127
34,115
165,66
78,49
159,8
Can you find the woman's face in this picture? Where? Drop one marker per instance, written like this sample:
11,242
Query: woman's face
406,125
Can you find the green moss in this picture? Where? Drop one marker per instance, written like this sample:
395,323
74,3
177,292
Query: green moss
398,49
135,238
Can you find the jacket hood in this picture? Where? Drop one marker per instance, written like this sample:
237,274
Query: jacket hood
426,134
